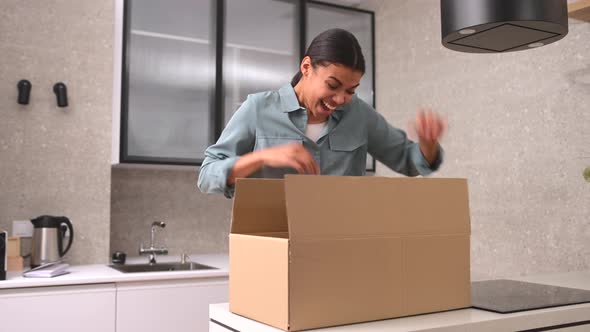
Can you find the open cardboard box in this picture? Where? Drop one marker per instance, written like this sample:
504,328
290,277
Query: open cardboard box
316,251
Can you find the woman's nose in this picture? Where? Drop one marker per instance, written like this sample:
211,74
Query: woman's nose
340,99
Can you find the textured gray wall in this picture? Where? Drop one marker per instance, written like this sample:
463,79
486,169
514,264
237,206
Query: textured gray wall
519,132
195,222
53,160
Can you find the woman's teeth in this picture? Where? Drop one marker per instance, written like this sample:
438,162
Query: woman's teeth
328,106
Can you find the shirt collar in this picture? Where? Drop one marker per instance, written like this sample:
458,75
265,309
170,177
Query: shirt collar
289,101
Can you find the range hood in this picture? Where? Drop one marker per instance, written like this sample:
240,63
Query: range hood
495,26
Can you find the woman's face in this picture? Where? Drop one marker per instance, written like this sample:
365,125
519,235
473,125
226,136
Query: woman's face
328,87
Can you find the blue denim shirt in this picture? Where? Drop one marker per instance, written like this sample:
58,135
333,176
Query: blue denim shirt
274,118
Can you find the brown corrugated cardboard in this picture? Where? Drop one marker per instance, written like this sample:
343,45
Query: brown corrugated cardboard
14,264
315,251
13,246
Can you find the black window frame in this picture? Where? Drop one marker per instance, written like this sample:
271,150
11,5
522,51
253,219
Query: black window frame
217,112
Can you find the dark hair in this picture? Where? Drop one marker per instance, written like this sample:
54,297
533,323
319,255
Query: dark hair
334,46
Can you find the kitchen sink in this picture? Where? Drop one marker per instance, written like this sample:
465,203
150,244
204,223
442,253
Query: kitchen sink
160,267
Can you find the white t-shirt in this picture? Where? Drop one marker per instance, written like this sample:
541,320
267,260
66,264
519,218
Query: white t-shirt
314,130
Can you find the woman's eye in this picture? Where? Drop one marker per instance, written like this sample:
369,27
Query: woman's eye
332,87
350,92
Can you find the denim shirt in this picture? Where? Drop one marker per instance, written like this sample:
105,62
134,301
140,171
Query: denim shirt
274,118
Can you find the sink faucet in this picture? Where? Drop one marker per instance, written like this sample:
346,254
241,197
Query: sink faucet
152,250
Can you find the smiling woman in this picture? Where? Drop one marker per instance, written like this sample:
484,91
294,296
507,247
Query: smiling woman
317,125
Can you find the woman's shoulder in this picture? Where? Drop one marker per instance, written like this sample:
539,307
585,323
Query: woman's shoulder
271,101
265,97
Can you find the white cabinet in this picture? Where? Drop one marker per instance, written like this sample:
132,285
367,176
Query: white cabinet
172,305
89,308
214,327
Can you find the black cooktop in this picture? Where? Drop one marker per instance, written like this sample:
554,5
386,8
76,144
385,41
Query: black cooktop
507,296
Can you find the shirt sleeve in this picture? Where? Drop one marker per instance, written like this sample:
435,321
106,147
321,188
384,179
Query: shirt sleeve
237,139
391,146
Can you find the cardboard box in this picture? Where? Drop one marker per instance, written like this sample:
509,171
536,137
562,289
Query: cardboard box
14,264
13,246
316,251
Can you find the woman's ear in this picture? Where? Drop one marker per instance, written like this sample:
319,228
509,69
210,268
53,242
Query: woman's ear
305,66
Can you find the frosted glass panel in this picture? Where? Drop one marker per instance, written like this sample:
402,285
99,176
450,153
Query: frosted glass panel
261,50
171,72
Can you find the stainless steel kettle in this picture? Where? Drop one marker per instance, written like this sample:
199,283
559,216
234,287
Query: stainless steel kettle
48,238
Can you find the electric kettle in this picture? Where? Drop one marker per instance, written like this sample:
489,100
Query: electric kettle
48,238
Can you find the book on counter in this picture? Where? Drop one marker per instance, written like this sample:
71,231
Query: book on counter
48,270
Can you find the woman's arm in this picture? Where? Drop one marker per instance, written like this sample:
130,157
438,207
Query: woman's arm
429,127
237,139
392,147
289,155
233,155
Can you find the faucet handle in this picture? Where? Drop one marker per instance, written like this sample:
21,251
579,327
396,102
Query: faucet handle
142,250
183,258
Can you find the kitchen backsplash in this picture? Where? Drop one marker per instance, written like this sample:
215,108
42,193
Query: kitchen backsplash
195,222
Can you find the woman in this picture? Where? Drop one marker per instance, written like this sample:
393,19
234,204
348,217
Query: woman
316,125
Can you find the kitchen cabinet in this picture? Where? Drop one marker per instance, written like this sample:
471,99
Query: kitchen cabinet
179,305
182,68
89,308
168,73
256,58
214,327
173,104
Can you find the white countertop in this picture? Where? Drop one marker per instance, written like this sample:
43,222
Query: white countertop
102,273
465,320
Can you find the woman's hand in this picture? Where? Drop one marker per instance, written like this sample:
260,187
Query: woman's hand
292,155
289,155
429,127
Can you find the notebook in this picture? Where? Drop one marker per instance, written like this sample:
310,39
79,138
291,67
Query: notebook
48,270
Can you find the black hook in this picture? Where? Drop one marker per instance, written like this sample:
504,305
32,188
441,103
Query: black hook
24,91
61,93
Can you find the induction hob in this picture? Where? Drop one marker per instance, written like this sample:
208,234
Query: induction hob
507,296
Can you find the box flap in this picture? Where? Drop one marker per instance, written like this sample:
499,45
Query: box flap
259,206
347,207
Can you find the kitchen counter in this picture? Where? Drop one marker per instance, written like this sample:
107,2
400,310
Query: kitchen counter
463,320
101,273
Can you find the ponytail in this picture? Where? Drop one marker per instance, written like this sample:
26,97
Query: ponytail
296,78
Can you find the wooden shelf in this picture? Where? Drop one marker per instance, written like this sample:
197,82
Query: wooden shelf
579,10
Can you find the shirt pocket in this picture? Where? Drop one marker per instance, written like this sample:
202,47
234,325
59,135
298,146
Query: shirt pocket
347,143
265,142
348,155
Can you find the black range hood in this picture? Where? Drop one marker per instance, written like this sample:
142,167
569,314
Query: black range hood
495,26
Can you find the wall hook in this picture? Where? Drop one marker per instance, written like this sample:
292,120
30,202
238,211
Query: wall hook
61,93
24,91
